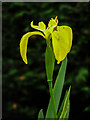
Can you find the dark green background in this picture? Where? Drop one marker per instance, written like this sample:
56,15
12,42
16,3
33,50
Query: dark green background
31,94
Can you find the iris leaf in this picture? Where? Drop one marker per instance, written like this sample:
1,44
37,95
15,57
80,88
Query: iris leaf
66,106
57,89
41,115
49,62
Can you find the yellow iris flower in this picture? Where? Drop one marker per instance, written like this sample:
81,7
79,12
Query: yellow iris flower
61,38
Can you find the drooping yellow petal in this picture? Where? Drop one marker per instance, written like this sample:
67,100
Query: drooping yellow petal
24,42
67,33
61,41
41,26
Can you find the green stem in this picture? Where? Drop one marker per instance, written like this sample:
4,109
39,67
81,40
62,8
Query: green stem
52,97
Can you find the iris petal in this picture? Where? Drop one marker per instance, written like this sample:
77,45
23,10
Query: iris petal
53,22
62,42
24,42
67,33
41,26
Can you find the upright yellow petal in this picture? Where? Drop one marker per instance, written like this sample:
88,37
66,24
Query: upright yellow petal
61,41
56,19
53,22
24,42
41,26
47,34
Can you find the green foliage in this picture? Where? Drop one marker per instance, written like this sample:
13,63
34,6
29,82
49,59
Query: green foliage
60,109
65,109
49,62
57,87
26,85
40,115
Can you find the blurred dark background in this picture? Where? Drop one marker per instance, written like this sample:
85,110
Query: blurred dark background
25,88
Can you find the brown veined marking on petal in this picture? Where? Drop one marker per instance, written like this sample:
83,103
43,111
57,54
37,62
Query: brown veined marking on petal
58,39
55,29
